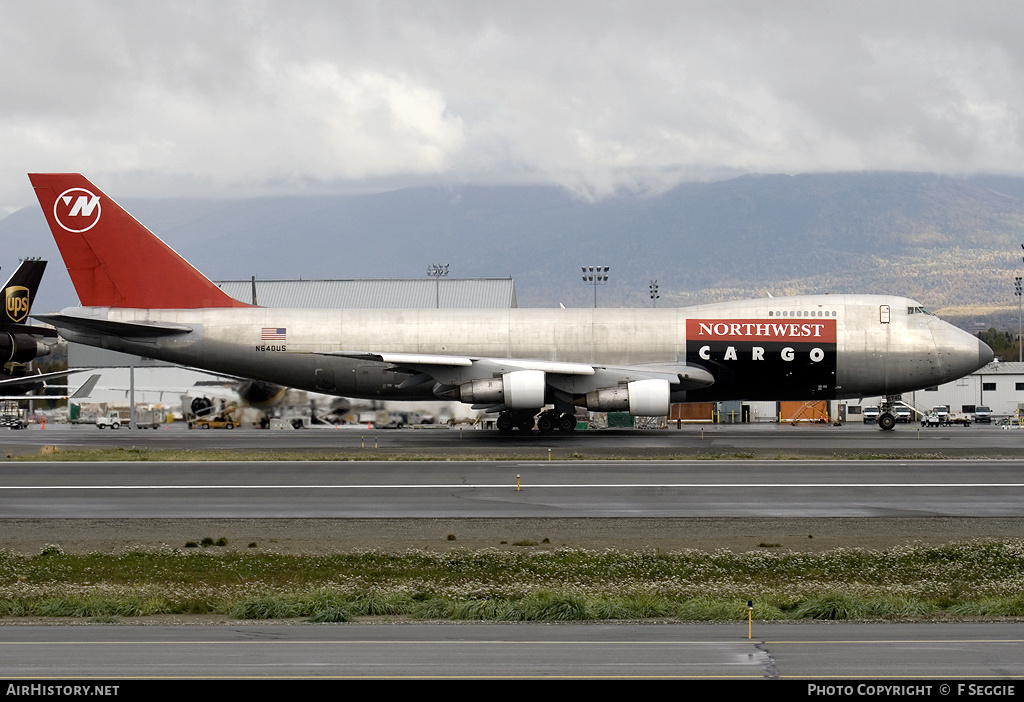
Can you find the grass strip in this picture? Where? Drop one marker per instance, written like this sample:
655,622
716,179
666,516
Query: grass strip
977,579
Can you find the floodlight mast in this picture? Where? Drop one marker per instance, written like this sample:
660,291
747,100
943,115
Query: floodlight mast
437,271
595,275
1017,285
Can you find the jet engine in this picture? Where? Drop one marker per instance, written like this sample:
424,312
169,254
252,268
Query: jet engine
201,406
643,398
516,390
259,394
19,348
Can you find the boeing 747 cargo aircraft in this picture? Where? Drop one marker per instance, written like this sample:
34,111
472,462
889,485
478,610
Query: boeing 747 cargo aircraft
531,366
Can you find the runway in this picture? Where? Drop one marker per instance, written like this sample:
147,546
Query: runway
576,498
872,652
751,440
512,489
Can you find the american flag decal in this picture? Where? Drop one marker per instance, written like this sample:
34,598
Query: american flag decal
273,334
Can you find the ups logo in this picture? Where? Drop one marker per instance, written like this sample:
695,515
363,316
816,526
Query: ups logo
16,303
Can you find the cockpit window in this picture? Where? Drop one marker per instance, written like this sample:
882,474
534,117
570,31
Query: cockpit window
805,313
918,310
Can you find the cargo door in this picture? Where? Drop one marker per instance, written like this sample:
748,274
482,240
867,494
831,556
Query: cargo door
884,318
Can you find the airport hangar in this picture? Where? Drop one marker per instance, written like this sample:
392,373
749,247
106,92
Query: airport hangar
369,293
999,386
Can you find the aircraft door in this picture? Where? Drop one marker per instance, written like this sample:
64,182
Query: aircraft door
324,379
884,318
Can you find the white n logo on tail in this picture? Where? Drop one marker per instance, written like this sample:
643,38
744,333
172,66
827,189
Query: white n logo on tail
77,210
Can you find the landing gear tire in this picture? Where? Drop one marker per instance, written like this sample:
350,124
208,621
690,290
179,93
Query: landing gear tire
547,422
886,422
523,420
567,422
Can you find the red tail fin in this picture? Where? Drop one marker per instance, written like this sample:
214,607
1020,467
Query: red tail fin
115,261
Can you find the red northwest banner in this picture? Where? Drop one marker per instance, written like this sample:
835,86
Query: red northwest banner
803,330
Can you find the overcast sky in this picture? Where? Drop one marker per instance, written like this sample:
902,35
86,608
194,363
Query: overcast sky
240,98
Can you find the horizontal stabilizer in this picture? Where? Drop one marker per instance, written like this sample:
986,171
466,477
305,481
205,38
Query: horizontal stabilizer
128,330
31,330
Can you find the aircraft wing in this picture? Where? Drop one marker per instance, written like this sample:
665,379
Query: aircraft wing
534,381
472,365
454,370
81,393
87,387
40,376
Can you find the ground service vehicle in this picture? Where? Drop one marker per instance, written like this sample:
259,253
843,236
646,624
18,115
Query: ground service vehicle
212,423
110,420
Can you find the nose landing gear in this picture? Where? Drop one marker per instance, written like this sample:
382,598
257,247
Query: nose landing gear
886,414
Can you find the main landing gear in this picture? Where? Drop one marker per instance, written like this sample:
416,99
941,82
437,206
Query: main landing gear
886,415
519,419
546,423
551,420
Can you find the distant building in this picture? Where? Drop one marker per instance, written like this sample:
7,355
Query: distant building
999,385
376,293
368,293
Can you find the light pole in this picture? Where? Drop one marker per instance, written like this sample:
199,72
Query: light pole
654,293
595,275
1017,284
437,270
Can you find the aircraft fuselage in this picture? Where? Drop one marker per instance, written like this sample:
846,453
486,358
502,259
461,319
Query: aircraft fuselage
799,348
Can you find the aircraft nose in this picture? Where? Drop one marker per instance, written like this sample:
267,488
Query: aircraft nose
985,354
959,352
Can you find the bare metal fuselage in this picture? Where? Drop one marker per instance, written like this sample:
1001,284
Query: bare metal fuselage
879,345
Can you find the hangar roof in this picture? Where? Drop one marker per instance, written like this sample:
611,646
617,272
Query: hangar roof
394,293
1001,368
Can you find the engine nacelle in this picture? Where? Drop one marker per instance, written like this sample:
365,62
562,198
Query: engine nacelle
523,389
642,398
201,406
259,394
19,348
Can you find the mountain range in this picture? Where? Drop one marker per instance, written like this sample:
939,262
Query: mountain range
953,243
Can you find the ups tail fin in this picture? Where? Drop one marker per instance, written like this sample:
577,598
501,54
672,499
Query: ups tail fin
113,260
20,291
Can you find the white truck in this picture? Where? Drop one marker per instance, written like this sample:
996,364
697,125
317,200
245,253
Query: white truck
144,419
111,420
